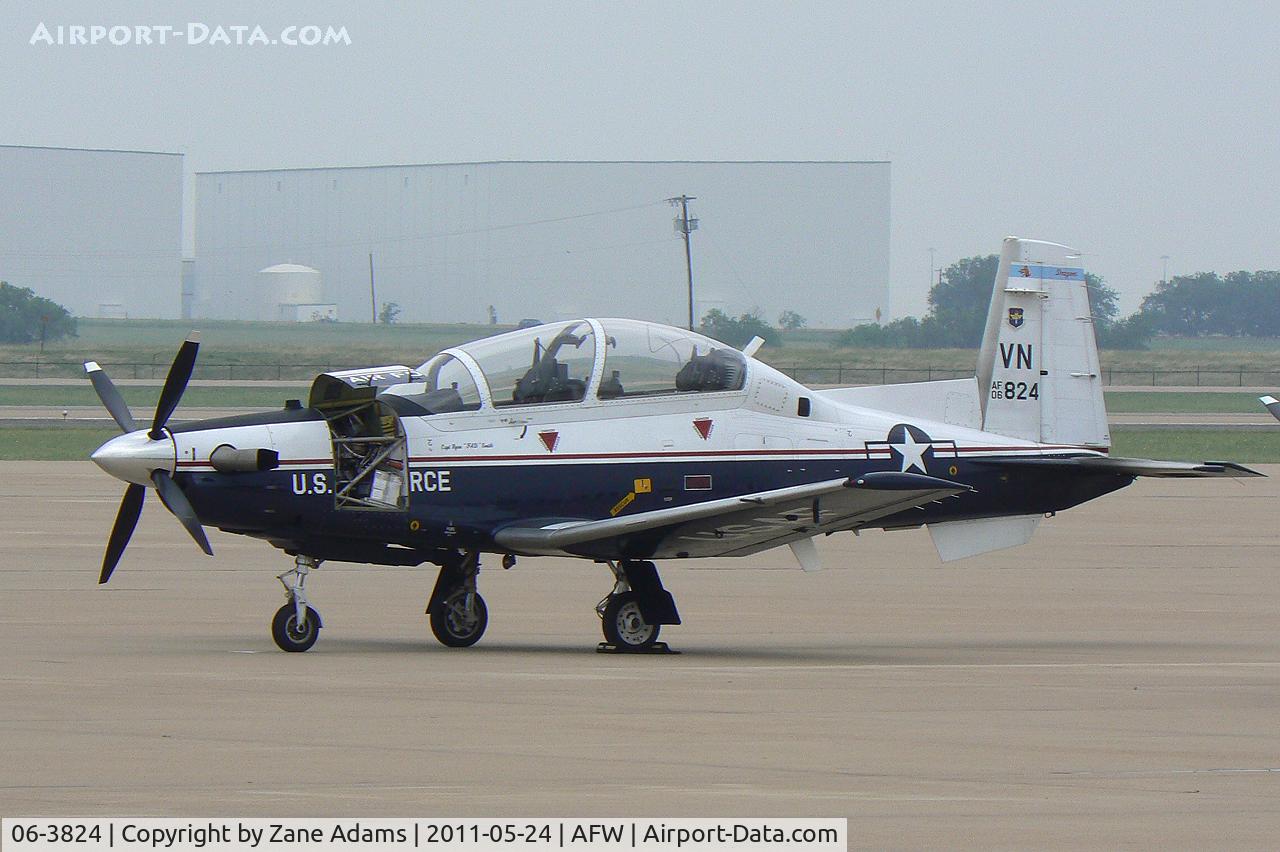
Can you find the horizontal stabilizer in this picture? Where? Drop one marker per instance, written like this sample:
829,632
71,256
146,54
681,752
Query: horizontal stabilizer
1130,467
953,401
1272,404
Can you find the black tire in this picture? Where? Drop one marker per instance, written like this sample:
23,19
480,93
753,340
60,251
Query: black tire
625,627
453,626
284,629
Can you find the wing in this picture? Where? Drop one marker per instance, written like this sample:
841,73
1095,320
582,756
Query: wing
735,526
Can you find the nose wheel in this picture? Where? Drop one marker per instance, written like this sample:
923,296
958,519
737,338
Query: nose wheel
290,634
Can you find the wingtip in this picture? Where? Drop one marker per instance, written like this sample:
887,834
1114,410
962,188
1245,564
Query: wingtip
193,337
92,367
1268,400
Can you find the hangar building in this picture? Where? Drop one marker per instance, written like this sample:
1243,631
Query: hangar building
549,240
97,231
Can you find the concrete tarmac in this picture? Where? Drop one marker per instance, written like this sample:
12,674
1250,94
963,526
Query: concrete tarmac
1116,683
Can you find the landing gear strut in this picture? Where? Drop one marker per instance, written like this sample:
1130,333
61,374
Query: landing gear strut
296,626
458,613
632,614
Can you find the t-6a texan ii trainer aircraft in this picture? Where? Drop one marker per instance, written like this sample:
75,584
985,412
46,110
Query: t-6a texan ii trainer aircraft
626,442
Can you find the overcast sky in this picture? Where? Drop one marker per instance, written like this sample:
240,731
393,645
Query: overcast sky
1128,130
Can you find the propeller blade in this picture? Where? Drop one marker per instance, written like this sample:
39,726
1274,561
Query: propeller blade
175,383
177,503
126,520
111,398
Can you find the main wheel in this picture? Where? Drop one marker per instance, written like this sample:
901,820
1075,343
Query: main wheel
624,624
288,635
457,626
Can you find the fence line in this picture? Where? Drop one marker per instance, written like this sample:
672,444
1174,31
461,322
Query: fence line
835,374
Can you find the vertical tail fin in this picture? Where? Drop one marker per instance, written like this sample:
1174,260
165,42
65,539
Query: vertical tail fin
1038,373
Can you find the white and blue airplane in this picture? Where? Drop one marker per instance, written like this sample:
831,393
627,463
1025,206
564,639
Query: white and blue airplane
626,442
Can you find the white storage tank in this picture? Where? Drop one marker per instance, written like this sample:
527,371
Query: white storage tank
288,284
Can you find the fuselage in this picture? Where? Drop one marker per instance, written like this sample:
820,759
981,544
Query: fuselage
461,474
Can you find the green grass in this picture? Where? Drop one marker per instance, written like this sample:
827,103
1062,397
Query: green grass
143,399
252,350
1250,447
1140,402
1216,344
143,349
51,444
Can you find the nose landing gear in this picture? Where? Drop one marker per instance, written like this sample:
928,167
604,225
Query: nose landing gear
296,626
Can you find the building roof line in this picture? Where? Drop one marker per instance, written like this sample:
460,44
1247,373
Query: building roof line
555,163
94,150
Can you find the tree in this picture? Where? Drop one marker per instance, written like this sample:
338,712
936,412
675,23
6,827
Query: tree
390,313
902,333
27,318
1132,332
958,306
1104,303
790,320
958,302
737,332
1239,303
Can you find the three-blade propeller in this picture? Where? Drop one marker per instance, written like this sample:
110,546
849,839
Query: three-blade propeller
171,494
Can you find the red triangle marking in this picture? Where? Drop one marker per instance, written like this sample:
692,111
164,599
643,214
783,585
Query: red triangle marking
549,440
703,425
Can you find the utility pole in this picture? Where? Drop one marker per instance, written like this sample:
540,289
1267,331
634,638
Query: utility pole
683,226
1164,271
931,251
373,298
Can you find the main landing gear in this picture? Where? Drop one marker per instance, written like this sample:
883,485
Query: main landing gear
632,615
296,626
458,613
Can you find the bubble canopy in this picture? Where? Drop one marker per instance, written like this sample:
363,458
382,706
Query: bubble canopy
577,360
